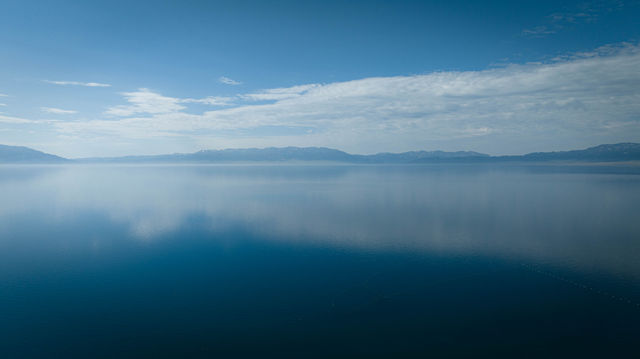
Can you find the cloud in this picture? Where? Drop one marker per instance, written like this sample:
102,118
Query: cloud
279,93
76,83
57,111
539,31
582,99
146,101
211,101
3,104
228,81
3,95
17,120
585,13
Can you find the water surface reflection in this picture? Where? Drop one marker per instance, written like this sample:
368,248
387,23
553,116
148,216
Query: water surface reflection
590,220
294,260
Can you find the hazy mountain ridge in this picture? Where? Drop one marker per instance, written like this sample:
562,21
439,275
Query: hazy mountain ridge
419,156
603,153
279,154
20,154
615,152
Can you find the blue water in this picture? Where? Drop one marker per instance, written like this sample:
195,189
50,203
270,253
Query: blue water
319,261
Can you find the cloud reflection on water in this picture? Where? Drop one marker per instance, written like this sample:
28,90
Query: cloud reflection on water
587,221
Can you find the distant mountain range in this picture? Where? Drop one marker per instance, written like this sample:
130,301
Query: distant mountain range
602,153
615,152
280,154
19,154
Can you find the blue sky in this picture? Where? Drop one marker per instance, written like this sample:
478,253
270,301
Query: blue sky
104,78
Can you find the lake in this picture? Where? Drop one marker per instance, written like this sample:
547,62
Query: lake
319,261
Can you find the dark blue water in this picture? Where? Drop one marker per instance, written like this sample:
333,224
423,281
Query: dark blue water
319,261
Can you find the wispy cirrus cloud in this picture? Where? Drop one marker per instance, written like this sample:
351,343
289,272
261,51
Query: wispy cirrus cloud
57,111
540,31
227,81
580,99
279,93
147,102
587,12
211,100
15,120
77,83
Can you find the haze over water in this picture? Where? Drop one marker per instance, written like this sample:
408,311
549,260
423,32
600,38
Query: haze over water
291,260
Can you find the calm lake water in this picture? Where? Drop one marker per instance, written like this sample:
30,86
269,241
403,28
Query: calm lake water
319,261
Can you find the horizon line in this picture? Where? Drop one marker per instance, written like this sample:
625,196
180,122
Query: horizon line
319,147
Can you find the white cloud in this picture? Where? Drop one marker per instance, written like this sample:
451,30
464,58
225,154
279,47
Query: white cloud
211,101
228,81
579,100
280,93
11,119
3,104
146,101
3,95
57,111
76,83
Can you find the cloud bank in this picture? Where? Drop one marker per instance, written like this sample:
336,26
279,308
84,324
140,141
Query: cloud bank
575,100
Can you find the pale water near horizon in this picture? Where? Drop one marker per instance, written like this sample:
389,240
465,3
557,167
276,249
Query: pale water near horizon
319,260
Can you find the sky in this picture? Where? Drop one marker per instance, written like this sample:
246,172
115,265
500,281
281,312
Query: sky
111,78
